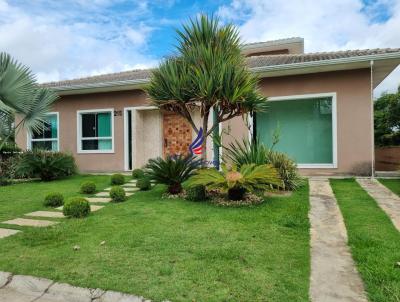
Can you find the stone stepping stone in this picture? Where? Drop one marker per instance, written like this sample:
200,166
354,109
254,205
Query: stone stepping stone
7,232
386,199
30,222
127,189
46,214
129,185
93,208
133,181
127,194
334,276
103,194
98,199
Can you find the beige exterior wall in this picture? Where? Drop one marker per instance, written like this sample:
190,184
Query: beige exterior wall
354,124
67,106
354,138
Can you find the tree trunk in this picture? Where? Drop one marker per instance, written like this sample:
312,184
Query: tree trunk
204,144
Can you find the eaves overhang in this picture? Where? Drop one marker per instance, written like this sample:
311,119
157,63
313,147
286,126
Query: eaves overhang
383,65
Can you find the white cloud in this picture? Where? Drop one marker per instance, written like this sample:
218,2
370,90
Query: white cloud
325,25
58,46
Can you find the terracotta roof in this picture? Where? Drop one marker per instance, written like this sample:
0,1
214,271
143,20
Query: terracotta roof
253,62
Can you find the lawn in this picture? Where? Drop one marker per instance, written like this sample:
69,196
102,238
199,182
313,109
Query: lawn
392,184
23,198
374,241
167,249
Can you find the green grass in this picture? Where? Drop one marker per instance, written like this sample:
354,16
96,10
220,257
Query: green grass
391,184
22,198
374,241
172,249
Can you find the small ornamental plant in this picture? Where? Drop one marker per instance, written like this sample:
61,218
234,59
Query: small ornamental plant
88,187
196,193
117,179
143,184
76,207
137,173
117,194
53,200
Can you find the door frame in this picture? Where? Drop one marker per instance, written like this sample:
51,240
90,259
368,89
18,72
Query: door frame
126,133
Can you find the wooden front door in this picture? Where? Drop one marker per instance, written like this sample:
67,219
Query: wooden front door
177,134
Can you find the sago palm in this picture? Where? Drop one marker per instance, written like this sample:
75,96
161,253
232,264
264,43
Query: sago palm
236,182
21,95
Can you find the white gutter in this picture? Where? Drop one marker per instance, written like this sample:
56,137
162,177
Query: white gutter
133,84
321,63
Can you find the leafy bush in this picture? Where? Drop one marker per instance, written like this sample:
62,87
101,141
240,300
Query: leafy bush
53,200
9,158
196,193
76,207
172,171
46,165
117,179
117,194
143,184
236,183
287,169
241,153
88,187
137,173
5,181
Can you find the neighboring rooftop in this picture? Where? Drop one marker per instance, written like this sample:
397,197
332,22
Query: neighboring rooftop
282,46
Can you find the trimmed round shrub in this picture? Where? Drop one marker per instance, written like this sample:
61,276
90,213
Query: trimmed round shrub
196,193
88,187
53,200
117,194
137,173
143,184
76,207
117,179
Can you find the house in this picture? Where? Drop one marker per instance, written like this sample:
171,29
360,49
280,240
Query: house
320,104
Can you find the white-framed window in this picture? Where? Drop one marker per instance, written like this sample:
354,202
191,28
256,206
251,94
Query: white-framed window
306,126
47,138
95,131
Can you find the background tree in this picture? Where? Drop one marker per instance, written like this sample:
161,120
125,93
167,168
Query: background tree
387,119
208,73
21,95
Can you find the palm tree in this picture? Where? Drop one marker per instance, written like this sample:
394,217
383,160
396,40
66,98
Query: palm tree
21,95
208,73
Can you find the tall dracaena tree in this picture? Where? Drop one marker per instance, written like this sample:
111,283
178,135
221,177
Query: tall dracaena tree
21,95
208,73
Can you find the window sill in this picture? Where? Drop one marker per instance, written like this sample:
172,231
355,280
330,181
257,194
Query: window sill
317,166
95,152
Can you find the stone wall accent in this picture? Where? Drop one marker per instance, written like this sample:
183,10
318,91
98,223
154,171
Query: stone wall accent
387,159
177,134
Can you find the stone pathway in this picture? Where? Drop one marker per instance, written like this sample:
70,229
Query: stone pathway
17,288
98,199
30,222
93,208
386,199
101,197
333,273
7,232
46,214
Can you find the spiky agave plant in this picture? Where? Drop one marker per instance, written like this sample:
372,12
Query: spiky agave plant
172,171
236,183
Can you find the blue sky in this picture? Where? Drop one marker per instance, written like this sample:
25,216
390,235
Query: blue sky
75,38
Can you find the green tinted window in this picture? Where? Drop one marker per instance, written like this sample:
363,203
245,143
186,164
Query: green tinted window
304,127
